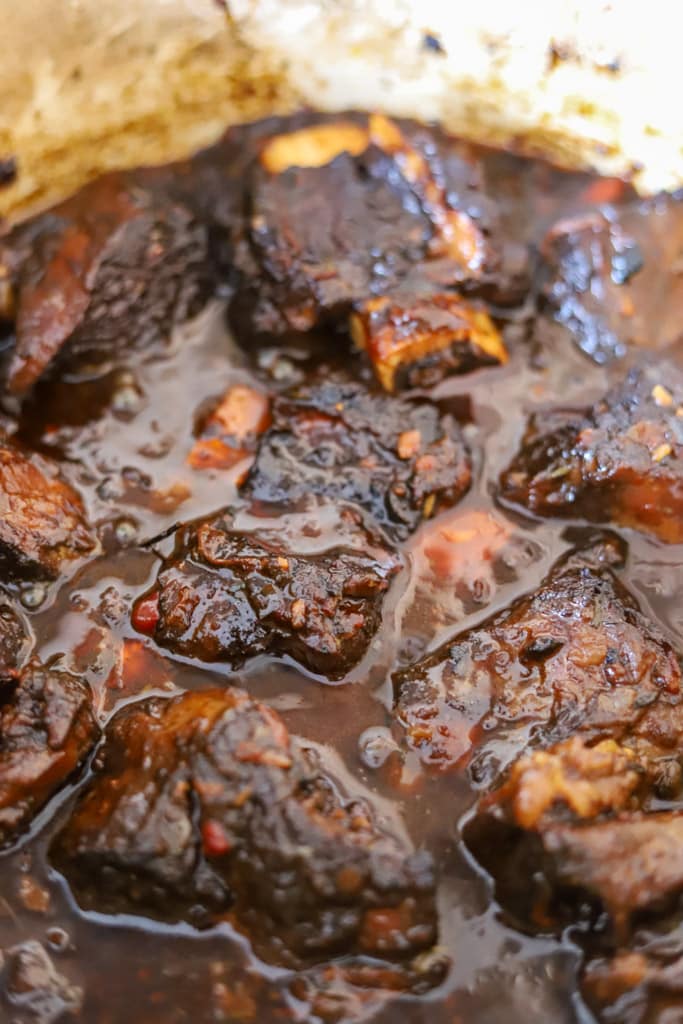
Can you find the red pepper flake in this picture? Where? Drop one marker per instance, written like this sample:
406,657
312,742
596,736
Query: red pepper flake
604,190
214,839
146,614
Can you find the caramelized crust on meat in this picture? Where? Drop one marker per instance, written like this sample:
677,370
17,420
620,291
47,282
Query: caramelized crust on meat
226,595
114,266
341,211
47,729
416,342
648,983
15,642
570,778
620,462
629,866
576,657
613,278
42,519
400,461
203,805
455,234
624,865
580,822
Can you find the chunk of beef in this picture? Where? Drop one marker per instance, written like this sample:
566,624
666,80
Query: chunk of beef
14,639
637,985
47,728
227,594
417,341
552,799
341,210
34,990
203,805
42,519
613,279
620,461
631,865
576,657
570,821
116,265
399,460
229,433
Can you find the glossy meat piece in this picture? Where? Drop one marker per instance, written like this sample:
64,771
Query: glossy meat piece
569,786
116,265
203,805
42,518
342,210
398,460
574,657
637,985
34,990
226,594
417,341
47,729
620,461
613,278
630,866
593,845
14,639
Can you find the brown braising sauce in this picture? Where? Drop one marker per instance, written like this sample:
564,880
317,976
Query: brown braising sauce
368,442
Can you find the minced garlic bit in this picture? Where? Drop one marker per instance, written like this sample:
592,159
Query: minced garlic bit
428,507
409,443
661,395
661,452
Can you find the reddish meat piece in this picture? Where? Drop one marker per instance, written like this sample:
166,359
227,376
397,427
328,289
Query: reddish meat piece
231,430
47,729
399,460
613,279
574,657
203,805
416,342
42,519
340,210
620,461
116,265
226,594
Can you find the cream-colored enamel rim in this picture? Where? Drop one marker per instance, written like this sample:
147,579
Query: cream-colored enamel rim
86,86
